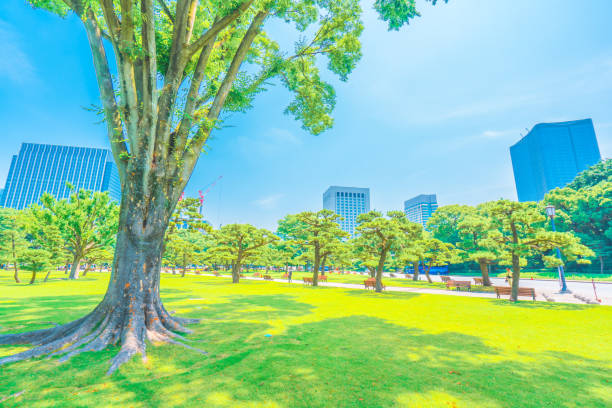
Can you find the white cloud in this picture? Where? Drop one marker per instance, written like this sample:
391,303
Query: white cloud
269,202
14,63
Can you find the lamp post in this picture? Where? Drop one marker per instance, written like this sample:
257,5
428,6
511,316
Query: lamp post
550,211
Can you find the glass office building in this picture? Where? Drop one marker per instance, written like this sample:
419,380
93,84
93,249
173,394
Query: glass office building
348,202
418,209
40,168
551,155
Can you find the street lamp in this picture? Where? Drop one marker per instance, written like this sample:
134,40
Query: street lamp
550,211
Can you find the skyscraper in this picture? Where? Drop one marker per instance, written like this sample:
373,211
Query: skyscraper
551,155
40,168
348,202
418,209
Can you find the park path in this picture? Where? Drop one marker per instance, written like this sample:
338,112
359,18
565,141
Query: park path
541,296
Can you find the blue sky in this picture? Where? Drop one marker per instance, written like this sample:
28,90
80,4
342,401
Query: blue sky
432,108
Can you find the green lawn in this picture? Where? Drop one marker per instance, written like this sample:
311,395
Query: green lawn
329,347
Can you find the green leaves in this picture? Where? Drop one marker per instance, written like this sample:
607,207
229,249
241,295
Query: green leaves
396,12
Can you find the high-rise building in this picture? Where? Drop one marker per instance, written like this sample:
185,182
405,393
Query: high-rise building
551,155
40,168
418,209
348,202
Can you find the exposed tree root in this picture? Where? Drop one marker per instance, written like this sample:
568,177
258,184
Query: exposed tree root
129,326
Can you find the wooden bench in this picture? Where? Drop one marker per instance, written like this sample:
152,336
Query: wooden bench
506,290
216,273
267,277
285,276
445,278
241,275
371,283
477,281
307,281
323,278
459,284
257,275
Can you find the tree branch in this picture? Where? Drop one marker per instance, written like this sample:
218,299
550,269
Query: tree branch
107,93
216,28
172,78
192,152
166,10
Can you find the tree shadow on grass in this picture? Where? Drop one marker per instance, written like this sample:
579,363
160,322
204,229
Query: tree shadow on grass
362,293
353,361
529,304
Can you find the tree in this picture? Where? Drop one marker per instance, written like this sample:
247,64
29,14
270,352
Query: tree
12,241
316,234
474,228
592,176
437,253
588,213
87,222
209,57
385,234
239,242
444,222
519,231
45,249
184,248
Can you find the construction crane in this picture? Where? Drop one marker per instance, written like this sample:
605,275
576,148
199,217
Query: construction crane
208,188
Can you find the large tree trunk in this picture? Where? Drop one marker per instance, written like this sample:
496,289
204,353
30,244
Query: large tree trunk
371,271
379,271
74,270
415,276
484,270
87,268
131,312
516,276
16,275
47,275
32,280
236,272
315,270
427,269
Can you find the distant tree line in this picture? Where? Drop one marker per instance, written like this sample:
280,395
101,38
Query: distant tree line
504,233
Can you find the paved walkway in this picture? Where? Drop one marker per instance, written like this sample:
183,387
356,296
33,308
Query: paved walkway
541,296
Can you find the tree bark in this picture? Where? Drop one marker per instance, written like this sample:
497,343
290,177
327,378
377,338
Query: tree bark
415,276
315,270
379,270
371,271
74,270
484,270
16,275
32,280
516,276
87,268
427,271
236,272
47,276
601,264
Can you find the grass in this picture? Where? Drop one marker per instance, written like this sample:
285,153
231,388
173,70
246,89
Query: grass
329,347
